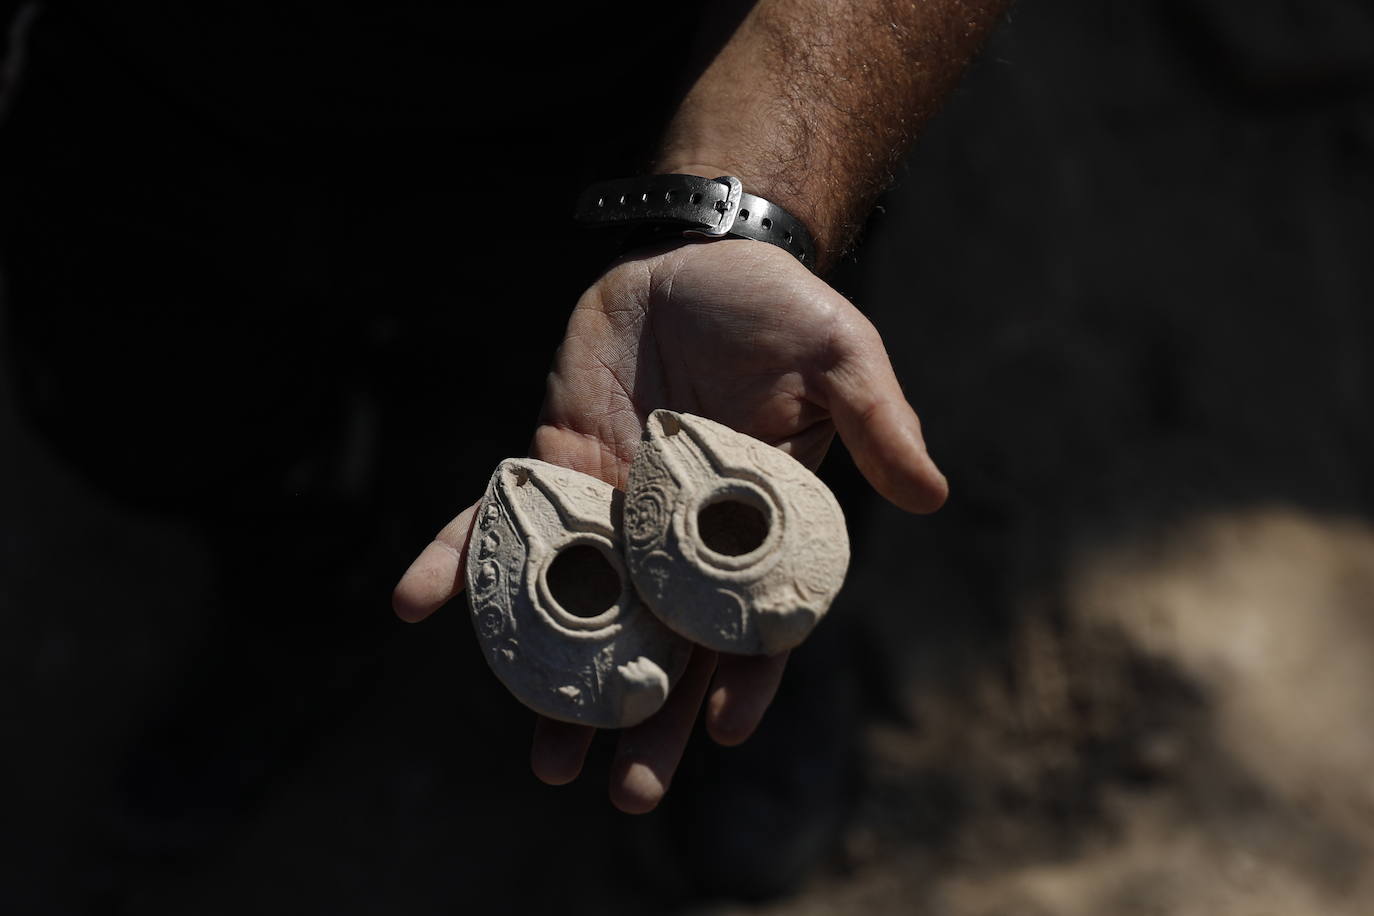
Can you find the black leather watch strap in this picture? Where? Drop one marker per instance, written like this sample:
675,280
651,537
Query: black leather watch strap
667,205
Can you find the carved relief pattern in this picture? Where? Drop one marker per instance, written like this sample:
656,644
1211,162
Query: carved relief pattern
531,511
491,620
777,464
618,669
646,516
731,617
650,468
582,501
488,576
490,601
811,500
657,573
817,568
714,600
487,547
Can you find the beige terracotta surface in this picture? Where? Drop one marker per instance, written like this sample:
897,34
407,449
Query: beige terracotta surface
732,543
557,617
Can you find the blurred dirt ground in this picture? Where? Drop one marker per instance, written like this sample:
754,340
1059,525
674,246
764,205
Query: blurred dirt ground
1192,739
1129,669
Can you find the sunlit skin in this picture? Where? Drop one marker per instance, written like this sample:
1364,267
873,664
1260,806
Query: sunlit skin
739,332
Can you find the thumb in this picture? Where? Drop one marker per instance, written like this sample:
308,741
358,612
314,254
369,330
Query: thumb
876,423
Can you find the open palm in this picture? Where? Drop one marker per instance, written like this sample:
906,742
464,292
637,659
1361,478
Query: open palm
741,333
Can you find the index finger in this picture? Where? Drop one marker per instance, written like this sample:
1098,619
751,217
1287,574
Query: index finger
437,573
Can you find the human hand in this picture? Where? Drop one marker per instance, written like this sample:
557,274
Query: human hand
741,333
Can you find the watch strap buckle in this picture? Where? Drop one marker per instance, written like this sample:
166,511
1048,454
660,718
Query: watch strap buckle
728,208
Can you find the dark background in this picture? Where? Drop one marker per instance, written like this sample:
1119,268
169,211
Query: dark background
277,298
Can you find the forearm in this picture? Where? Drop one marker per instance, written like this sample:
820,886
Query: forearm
812,103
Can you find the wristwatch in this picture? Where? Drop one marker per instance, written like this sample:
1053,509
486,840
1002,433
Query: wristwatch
662,206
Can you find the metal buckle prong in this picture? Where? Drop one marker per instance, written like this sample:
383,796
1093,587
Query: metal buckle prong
727,208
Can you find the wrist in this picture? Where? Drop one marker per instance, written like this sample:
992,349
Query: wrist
786,194
669,165
695,201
